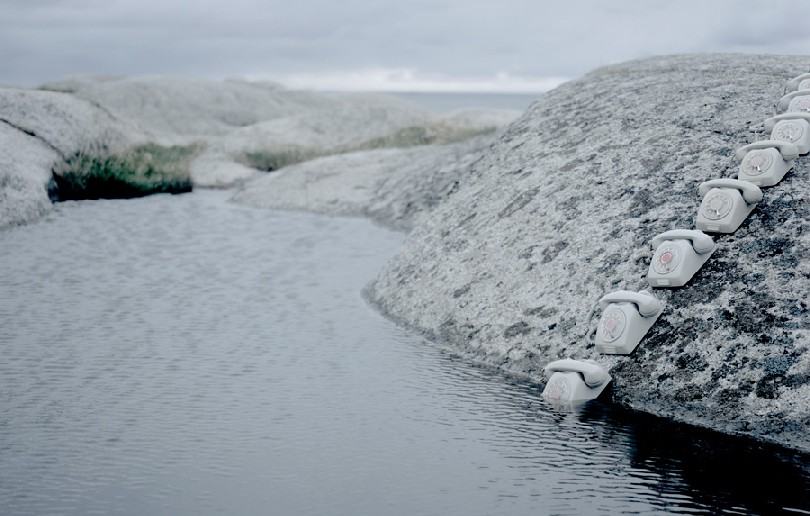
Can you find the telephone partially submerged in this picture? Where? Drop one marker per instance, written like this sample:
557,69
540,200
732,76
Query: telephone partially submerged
574,381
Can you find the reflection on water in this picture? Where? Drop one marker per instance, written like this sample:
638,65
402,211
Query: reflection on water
187,356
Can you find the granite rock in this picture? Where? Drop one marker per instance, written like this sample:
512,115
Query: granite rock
561,210
392,186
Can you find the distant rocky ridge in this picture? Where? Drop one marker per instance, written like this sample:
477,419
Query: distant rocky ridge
233,127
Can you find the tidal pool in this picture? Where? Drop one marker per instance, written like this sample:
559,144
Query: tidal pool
184,355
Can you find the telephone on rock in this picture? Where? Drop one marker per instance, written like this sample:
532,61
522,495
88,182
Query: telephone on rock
626,317
800,82
679,254
766,162
726,204
793,127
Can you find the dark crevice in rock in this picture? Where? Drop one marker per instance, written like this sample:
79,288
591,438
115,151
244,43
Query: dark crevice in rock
33,135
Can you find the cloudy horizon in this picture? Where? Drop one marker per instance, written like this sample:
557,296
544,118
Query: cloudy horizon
516,46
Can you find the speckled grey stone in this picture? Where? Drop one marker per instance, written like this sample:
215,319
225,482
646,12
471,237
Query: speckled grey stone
392,186
561,210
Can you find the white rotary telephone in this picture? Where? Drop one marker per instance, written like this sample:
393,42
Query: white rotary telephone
798,100
766,162
626,317
793,127
726,204
800,82
679,254
574,381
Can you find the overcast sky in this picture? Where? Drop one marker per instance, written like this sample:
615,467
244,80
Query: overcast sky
472,45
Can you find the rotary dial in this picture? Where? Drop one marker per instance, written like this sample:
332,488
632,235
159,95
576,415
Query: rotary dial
756,163
666,259
788,132
612,324
717,205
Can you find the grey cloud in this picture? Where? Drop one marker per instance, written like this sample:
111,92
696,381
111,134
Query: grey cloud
48,39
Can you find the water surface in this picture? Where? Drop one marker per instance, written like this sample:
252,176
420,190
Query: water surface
444,102
183,355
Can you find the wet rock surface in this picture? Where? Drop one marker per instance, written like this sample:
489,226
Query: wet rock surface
561,210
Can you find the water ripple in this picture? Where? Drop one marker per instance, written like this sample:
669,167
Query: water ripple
181,355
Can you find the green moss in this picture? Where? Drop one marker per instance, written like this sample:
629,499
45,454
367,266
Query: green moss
140,171
413,136
268,160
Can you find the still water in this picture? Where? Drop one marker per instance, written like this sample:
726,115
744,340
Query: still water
445,102
183,355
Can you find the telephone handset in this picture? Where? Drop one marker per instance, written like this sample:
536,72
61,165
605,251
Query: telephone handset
701,242
592,373
787,150
771,122
679,254
646,304
798,82
787,100
626,317
750,193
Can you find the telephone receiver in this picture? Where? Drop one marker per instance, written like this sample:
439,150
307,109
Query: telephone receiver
646,304
771,122
751,193
701,242
592,373
784,102
787,150
794,83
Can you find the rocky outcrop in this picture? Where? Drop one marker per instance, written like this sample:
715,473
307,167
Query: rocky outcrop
241,126
561,210
391,186
116,130
37,130
23,196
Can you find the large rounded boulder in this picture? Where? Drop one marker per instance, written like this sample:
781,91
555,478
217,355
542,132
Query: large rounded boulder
561,210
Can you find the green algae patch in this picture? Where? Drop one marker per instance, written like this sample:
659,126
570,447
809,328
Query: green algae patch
137,172
272,159
414,136
269,160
